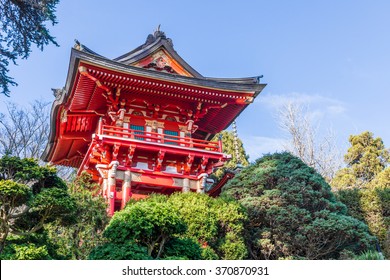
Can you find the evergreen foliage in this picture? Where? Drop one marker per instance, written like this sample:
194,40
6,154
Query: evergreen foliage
127,250
181,226
217,223
150,223
22,24
364,185
293,213
369,255
371,205
30,197
365,159
228,148
183,248
83,231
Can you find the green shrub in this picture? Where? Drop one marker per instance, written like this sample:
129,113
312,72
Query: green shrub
123,251
293,213
370,255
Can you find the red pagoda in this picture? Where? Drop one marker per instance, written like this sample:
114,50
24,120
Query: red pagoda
142,123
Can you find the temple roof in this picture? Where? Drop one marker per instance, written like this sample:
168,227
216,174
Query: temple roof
157,45
153,72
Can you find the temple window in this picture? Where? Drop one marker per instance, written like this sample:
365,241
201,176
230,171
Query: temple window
173,133
138,130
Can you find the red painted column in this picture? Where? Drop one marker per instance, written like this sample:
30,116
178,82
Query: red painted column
220,149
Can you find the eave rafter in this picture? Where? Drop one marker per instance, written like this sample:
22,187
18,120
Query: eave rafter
133,83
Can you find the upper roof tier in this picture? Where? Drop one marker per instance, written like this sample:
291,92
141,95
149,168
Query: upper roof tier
157,53
153,74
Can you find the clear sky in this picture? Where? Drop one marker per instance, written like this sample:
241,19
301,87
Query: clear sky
333,56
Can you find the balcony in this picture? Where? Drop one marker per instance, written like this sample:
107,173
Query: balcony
133,136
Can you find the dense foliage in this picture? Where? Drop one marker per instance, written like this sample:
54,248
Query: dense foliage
43,218
31,196
22,24
293,213
83,232
365,159
364,185
227,138
181,226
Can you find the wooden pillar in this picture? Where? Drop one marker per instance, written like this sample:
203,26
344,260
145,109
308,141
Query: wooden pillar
220,149
112,187
186,185
202,183
102,169
105,188
126,189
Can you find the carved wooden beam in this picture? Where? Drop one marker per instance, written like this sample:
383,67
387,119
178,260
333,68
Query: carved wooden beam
188,164
160,158
130,155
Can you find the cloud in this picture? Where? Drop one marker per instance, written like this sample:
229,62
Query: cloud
315,106
256,146
313,101
336,109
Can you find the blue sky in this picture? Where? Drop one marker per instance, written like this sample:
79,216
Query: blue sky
332,56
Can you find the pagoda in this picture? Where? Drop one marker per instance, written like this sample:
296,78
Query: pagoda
142,123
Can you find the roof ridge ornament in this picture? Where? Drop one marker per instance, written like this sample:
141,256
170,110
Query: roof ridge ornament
78,46
157,34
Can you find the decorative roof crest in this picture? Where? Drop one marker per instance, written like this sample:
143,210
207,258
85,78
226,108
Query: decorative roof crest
157,34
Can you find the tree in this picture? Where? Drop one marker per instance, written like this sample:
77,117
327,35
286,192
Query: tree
119,251
181,226
150,223
216,223
365,159
293,213
22,24
83,232
364,185
24,133
30,197
304,142
228,147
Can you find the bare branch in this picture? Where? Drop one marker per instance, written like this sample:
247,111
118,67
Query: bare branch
24,132
321,153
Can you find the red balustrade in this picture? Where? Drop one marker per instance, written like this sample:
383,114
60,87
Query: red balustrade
148,136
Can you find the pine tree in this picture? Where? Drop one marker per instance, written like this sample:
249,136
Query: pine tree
22,24
293,213
228,147
365,159
364,185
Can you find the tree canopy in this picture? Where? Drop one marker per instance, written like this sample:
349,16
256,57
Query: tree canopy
22,24
83,232
365,159
181,226
293,213
228,148
364,185
30,197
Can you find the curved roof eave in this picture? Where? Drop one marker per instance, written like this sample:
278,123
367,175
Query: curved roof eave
234,84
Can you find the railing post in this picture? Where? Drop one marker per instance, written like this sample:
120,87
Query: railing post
100,126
